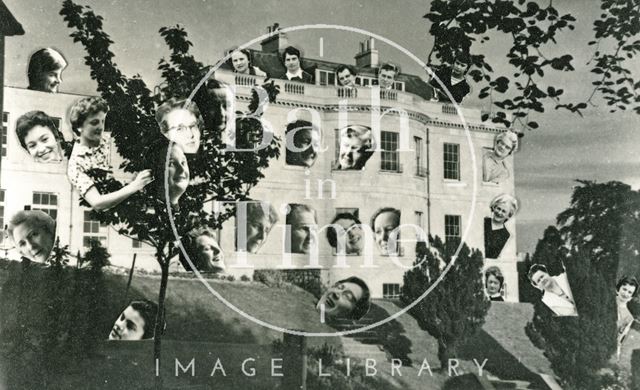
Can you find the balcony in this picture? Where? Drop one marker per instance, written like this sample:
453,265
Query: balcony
349,93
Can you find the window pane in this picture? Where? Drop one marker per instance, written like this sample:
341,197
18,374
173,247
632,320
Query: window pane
36,198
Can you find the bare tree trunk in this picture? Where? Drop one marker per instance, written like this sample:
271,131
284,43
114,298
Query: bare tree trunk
159,326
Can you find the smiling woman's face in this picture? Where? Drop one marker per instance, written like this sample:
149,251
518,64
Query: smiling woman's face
42,145
92,128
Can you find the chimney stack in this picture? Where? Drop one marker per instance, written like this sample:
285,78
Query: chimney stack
276,42
368,55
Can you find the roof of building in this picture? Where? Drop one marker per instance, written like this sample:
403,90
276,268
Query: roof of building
8,24
270,63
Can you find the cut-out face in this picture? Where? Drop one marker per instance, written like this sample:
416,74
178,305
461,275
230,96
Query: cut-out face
500,213
625,292
352,236
50,81
458,68
302,235
183,128
351,152
542,280
240,62
340,299
33,242
346,78
178,174
257,232
386,78
493,285
502,147
292,62
92,128
384,224
209,254
128,326
304,153
42,145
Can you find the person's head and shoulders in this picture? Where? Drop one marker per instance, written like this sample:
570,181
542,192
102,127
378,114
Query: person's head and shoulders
33,234
383,222
347,299
347,237
240,62
387,74
356,147
346,76
45,70
180,121
292,61
626,290
302,221
503,207
494,167
88,119
39,136
136,322
453,76
261,217
556,291
493,283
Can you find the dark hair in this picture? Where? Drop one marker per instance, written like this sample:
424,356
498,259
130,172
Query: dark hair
332,236
155,159
292,51
294,157
174,104
43,61
148,311
494,271
462,56
31,119
389,66
535,268
384,210
342,68
631,281
84,108
364,303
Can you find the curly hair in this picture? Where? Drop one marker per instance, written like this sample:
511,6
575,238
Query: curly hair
332,235
35,219
365,134
532,271
628,280
31,119
507,136
83,109
292,51
508,200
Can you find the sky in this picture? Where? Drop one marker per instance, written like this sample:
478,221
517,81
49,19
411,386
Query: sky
600,146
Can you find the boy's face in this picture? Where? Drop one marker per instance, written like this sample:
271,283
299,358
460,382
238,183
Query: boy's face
129,326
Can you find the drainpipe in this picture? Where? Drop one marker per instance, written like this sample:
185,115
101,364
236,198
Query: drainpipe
428,186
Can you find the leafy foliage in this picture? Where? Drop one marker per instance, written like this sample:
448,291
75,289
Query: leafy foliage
595,239
97,255
455,309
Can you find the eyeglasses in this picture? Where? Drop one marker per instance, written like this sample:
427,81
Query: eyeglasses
183,128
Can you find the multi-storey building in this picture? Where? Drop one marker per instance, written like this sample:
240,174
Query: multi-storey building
426,165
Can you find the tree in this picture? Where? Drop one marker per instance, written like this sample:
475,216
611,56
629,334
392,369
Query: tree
589,242
216,174
455,309
97,255
530,28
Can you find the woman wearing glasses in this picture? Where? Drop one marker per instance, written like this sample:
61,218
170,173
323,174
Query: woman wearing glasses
91,153
494,168
180,122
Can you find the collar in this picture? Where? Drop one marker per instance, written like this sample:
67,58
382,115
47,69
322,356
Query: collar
297,74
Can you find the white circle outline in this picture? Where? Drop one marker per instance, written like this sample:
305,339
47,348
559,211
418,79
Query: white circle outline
462,240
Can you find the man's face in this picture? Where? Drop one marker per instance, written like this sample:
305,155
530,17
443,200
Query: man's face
353,237
183,129
42,145
257,232
291,62
383,225
351,151
340,299
500,213
542,280
458,68
493,285
129,326
34,243
346,79
386,78
626,291
92,128
502,147
178,175
240,62
302,234
50,81
209,253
